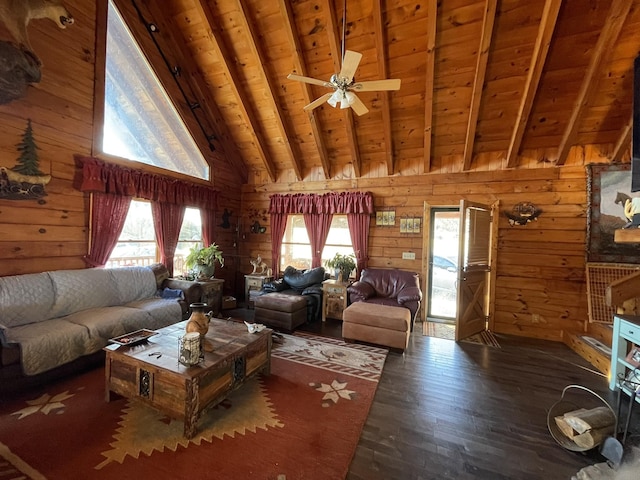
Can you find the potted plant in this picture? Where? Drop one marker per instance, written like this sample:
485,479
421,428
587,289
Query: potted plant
342,265
203,260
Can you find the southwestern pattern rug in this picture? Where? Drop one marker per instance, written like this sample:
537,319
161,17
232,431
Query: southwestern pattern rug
301,422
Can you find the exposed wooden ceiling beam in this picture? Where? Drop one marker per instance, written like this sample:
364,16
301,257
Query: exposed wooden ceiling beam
478,82
624,141
432,17
336,53
301,69
381,43
540,50
223,141
608,36
285,131
244,101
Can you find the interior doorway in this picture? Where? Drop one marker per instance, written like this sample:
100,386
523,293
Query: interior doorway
443,264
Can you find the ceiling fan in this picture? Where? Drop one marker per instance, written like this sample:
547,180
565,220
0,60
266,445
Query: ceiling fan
344,85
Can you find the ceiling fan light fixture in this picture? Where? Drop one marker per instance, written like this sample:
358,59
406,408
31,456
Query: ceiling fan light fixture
349,97
334,99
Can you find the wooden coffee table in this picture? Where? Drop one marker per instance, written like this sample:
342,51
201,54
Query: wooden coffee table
150,371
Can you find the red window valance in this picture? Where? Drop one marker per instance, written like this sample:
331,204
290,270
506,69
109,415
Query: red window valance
98,176
334,203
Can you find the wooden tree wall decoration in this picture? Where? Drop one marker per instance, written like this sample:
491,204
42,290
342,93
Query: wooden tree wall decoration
24,181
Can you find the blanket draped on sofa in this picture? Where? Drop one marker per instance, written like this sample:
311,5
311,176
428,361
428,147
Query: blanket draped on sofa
56,317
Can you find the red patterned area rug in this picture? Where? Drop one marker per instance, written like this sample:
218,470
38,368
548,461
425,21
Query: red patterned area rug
301,422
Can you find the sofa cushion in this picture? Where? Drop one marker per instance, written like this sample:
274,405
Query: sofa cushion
77,290
133,283
104,323
45,345
25,299
162,311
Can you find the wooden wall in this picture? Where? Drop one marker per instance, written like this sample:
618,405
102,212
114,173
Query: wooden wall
52,233
541,266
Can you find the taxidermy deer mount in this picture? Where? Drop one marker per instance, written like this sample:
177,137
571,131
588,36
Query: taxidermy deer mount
19,65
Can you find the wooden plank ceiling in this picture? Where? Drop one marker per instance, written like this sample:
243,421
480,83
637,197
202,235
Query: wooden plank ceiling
481,79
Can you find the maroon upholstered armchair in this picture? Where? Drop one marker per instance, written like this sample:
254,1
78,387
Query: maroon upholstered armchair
394,287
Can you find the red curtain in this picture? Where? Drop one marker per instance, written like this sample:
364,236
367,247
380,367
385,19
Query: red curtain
108,213
359,231
278,226
357,205
208,219
98,176
333,202
318,228
167,220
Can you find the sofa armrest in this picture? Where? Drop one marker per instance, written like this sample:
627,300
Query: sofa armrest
360,291
192,290
409,294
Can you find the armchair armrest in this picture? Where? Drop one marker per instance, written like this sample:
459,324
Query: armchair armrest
360,291
409,294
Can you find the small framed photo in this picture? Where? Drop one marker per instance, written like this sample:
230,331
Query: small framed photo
392,218
385,218
403,225
416,225
633,357
379,218
409,225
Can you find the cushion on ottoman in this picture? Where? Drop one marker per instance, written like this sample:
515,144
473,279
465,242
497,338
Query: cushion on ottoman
380,324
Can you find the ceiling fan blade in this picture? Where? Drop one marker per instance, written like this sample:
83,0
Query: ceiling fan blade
358,107
350,64
376,85
318,101
313,81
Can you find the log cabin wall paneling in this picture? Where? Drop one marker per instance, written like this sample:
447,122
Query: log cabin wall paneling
540,290
52,233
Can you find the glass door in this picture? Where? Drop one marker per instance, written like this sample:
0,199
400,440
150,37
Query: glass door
443,263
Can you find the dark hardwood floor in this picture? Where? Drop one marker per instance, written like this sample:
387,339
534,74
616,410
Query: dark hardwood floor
459,410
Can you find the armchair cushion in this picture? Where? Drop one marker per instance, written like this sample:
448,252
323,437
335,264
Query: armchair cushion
390,287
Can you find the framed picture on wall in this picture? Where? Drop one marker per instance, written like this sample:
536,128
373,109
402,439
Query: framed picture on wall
608,188
416,225
403,225
379,218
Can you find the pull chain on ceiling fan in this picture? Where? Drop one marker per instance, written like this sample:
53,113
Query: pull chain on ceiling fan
343,83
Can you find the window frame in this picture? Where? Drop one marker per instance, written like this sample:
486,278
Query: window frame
167,83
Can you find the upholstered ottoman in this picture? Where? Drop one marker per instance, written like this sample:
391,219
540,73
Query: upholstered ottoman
280,310
379,324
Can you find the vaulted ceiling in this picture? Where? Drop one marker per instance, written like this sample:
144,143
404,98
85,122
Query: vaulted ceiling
485,83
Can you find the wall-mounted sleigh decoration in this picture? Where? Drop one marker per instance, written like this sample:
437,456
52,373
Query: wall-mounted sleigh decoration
523,213
19,65
24,181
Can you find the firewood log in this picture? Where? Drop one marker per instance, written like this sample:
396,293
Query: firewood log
583,421
593,437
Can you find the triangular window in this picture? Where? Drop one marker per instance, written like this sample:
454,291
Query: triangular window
140,121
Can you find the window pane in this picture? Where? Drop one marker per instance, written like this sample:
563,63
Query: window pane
140,122
296,248
190,236
137,242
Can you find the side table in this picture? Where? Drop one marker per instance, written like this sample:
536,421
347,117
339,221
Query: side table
334,299
212,294
254,283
